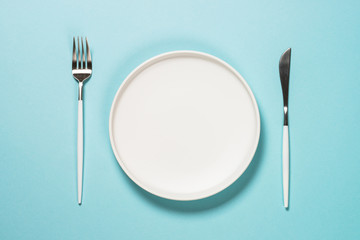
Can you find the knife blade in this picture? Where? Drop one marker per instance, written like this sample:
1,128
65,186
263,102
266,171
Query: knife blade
284,69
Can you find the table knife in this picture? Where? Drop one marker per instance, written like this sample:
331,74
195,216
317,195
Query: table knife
284,69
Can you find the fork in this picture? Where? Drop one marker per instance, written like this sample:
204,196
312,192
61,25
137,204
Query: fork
81,72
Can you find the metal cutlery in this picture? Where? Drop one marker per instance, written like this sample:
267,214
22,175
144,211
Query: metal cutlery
81,71
284,69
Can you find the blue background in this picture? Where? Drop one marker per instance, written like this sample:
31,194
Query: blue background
38,118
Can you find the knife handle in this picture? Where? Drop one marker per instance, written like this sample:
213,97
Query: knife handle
285,165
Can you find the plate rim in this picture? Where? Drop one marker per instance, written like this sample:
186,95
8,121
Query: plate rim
198,195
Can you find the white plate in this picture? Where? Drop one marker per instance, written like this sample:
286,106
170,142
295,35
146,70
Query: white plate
184,125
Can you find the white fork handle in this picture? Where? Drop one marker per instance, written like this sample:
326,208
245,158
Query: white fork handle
80,150
285,166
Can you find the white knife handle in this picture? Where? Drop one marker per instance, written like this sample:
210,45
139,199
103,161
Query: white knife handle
80,150
285,166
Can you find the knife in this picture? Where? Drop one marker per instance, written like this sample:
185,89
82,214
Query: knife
284,69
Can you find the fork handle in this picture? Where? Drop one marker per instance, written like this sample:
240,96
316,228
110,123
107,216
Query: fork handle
285,165
80,150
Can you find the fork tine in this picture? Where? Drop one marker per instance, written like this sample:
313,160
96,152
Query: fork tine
74,55
79,56
88,55
83,53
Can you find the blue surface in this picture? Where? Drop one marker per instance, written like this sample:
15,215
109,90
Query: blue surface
39,116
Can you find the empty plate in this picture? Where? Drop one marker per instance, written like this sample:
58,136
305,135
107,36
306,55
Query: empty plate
184,125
